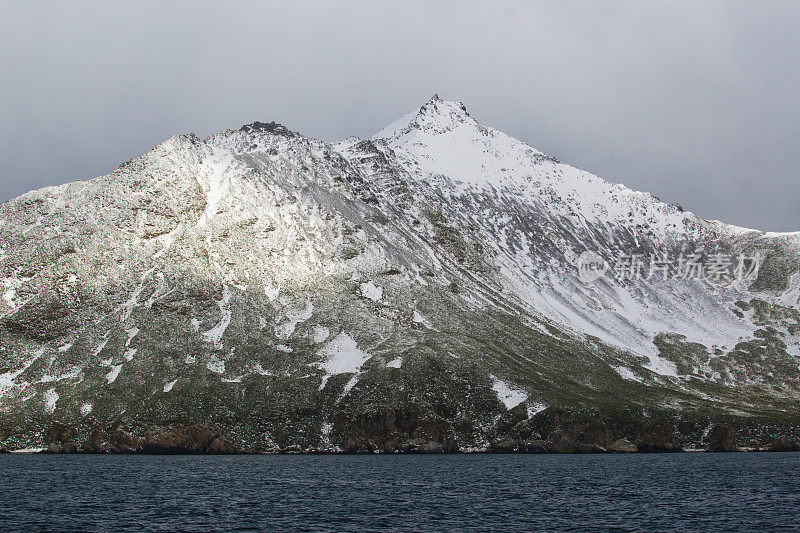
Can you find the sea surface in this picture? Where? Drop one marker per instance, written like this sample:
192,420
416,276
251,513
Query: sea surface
681,492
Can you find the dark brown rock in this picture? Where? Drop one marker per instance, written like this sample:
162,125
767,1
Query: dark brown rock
509,420
587,431
559,442
166,440
656,437
59,433
721,439
431,447
222,445
590,448
193,438
96,442
549,420
780,445
411,429
53,447
123,442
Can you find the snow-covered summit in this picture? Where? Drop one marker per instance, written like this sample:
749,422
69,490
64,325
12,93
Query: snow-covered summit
436,116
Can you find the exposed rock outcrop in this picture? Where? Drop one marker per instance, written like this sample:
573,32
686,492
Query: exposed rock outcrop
722,439
781,445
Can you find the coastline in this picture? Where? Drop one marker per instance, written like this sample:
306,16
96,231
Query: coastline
45,451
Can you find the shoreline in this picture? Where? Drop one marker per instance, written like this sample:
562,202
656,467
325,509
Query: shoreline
44,451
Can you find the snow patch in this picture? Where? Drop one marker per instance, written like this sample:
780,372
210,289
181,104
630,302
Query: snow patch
64,347
258,369
535,408
112,376
11,285
350,384
128,306
395,363
86,408
101,345
285,330
271,291
341,356
321,334
510,396
214,335
626,373
166,241
131,333
216,365
168,386
371,291
419,319
50,398
130,352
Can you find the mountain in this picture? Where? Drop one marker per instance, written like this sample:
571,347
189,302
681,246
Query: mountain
441,286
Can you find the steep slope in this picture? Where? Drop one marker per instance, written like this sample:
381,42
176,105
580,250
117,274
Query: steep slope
417,290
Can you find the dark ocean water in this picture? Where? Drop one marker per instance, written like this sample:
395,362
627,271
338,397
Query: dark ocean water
745,491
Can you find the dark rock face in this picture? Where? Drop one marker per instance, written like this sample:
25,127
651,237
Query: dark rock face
60,438
96,442
566,433
415,429
506,446
721,439
271,127
780,445
187,439
122,441
393,430
657,437
192,438
559,442
557,430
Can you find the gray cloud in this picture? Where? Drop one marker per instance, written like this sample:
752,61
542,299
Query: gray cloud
694,102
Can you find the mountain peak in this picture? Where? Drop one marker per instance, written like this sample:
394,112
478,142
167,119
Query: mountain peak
437,105
435,116
268,127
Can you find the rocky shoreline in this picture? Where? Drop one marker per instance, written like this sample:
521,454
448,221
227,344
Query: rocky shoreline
553,431
778,447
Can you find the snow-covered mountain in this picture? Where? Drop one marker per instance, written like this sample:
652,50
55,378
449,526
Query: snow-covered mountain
417,290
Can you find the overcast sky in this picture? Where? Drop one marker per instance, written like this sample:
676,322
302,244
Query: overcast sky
696,102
